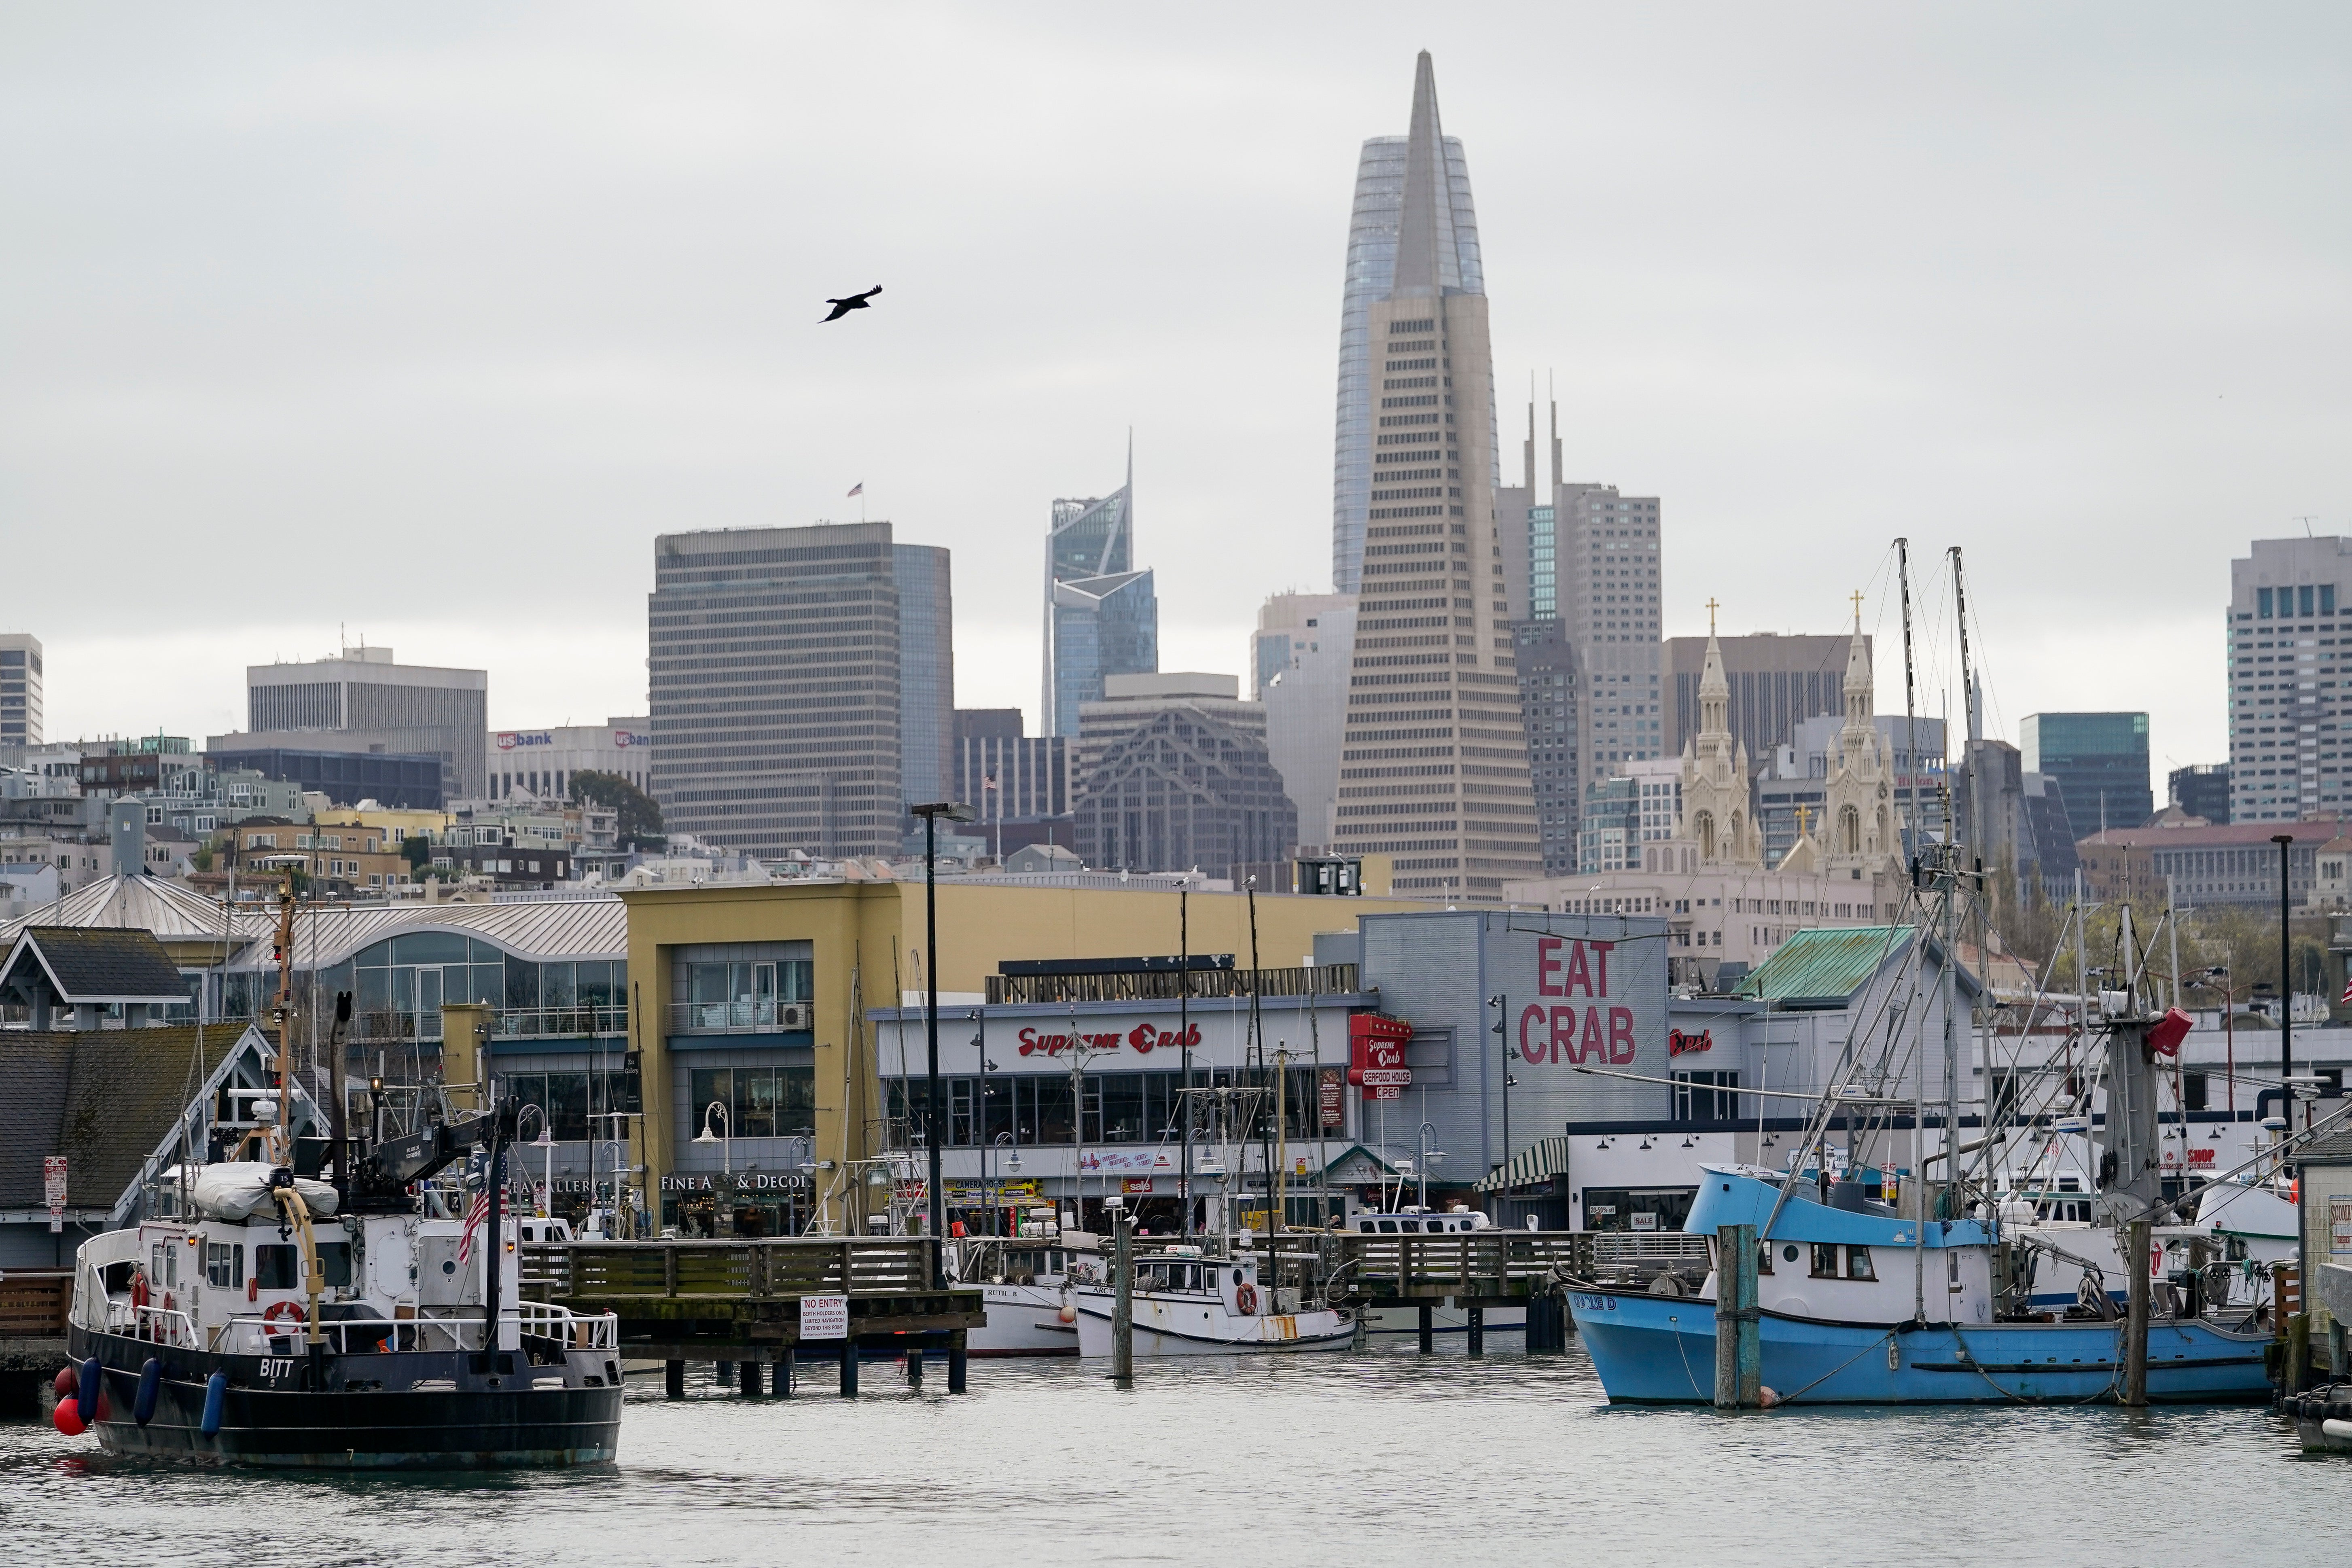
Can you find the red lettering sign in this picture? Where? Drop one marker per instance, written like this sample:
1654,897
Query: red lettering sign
1548,966
1578,973
1621,1036
1681,1045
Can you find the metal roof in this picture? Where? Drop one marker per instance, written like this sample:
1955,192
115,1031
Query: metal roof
550,930
173,910
1826,967
93,964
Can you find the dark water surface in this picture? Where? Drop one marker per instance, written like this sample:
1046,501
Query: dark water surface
1378,1459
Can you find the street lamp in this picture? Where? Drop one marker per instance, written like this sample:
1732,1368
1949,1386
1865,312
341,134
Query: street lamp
980,1044
1502,1005
930,814
544,1141
722,1207
2286,841
1429,1156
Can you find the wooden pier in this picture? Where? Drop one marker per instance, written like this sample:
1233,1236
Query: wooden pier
32,1304
739,1302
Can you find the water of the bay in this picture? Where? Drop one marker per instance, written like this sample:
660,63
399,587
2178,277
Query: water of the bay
1382,1459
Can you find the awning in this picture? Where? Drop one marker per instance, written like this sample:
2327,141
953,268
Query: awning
1540,1162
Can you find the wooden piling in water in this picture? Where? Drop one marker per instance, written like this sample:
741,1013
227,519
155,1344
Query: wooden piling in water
1738,1338
674,1379
2136,1255
1122,1312
849,1368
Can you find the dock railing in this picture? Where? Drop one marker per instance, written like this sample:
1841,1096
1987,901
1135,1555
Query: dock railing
753,1268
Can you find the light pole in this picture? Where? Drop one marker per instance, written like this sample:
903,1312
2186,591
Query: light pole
2220,971
2286,841
722,1208
938,1217
545,1141
1427,1156
1502,1005
980,1044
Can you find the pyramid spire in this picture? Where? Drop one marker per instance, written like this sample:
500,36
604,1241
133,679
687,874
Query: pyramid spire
1422,227
1859,684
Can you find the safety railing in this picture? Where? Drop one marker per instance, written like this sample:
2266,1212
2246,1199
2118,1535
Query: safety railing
159,1325
362,1336
745,1015
555,1023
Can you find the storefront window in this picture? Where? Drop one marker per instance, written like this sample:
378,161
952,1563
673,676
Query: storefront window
757,1101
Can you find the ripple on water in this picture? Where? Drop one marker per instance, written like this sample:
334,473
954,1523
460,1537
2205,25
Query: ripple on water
1383,1458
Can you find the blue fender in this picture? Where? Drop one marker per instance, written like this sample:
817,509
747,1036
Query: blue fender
215,1397
86,1396
151,1383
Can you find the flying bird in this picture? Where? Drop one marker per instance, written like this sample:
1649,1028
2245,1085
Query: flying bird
855,302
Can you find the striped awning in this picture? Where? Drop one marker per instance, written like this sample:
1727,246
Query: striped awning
1540,1162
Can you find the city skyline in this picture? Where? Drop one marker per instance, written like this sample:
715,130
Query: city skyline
1834,378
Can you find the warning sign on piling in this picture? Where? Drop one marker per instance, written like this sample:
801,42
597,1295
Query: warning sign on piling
825,1317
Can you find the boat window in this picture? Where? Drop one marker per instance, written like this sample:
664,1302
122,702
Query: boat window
1825,1260
1237,1275
1857,1264
1789,1253
223,1263
279,1267
1952,1267
1388,1228
1764,1261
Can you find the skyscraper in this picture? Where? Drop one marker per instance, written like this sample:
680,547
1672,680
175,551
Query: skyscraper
774,680
1299,660
1373,230
1587,556
1434,765
927,725
2099,762
2285,596
1102,616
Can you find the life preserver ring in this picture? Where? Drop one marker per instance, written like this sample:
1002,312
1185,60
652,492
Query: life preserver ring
292,1311
139,1293
1245,1298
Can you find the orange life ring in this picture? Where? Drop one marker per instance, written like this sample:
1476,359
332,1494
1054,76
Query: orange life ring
139,1294
292,1310
1245,1298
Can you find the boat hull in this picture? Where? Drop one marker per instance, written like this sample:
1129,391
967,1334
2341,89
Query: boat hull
1660,1350
1022,1321
1186,1327
345,1430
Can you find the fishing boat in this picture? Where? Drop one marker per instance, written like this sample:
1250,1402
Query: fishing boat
1206,1300
1026,1283
1839,1289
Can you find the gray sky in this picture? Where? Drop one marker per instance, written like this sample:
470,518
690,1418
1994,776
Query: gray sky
424,321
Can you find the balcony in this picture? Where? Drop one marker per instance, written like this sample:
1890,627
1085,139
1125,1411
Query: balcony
390,1026
746,1016
1166,985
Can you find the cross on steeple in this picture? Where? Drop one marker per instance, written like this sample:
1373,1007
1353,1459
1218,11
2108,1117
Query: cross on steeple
1857,609
1804,819
1710,618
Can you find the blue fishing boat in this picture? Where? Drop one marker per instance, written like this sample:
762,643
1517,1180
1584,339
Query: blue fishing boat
1859,1304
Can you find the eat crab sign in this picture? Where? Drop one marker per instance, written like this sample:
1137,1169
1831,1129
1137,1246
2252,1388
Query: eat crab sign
1568,1031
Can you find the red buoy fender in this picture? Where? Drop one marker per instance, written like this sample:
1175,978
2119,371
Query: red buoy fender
65,1384
67,1419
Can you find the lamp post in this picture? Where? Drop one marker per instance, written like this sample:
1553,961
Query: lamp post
1502,1005
1428,1156
722,1208
2220,971
545,1141
930,814
980,1044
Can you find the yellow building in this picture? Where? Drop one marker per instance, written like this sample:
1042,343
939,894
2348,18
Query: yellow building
769,984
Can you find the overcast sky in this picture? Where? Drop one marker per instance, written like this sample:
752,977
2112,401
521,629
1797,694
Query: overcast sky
422,322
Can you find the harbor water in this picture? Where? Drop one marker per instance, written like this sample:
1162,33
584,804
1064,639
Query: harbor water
1380,1458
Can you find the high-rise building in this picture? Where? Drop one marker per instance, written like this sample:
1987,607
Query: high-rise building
774,685
1298,663
926,673
1006,775
2099,762
1129,702
2284,719
1777,683
1374,228
1102,616
2202,790
361,701
20,690
1433,765
1587,555
1184,788
1548,714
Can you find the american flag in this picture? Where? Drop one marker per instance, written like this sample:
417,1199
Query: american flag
990,782
480,1209
2346,1000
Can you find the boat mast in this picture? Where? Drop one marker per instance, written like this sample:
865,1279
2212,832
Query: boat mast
1918,833
1184,1044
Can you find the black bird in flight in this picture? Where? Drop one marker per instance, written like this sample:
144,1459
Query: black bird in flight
855,302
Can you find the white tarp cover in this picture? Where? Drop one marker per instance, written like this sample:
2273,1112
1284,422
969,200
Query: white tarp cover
239,1190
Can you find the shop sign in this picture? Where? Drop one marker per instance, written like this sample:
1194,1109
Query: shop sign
1143,1038
509,739
1135,1184
1108,1161
825,1317
744,1181
1376,1055
1586,1016
1328,1095
1681,1045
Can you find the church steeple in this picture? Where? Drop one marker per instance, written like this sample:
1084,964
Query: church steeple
1714,686
1860,686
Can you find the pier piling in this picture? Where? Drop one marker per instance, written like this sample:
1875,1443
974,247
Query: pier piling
747,1378
849,1369
1122,1312
958,1363
674,1379
1739,1341
1478,1331
1428,1328
915,1365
